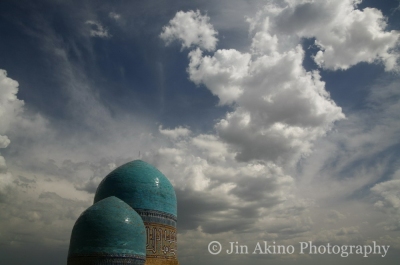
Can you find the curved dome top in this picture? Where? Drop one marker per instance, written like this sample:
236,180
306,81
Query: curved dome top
108,227
140,185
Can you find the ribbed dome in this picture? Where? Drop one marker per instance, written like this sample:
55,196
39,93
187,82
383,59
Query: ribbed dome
109,229
140,185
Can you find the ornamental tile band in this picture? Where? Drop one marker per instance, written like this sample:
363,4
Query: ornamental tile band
151,216
103,259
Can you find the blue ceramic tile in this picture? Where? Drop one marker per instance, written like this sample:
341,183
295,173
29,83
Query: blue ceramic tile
140,185
110,228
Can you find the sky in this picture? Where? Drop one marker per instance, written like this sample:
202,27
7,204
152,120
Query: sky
275,121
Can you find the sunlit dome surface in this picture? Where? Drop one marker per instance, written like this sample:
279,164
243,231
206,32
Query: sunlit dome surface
140,185
110,227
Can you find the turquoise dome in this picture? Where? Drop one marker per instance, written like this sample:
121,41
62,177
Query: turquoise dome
109,228
140,185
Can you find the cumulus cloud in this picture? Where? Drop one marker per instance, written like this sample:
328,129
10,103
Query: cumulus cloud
222,73
10,105
344,34
232,195
280,109
10,108
97,30
192,29
281,122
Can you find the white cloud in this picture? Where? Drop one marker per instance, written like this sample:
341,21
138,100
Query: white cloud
345,34
278,112
174,133
387,195
97,30
206,176
211,147
10,108
360,38
280,109
389,191
192,29
10,105
222,73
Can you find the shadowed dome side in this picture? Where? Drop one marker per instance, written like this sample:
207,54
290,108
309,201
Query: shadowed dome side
140,185
108,230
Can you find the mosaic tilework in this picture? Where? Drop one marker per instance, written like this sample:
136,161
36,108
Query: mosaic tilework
161,241
152,216
157,261
140,185
104,259
109,227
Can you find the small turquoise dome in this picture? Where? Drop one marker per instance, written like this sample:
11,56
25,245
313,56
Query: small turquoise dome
110,229
140,185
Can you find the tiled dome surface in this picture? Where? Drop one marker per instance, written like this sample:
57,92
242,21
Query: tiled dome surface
109,228
140,185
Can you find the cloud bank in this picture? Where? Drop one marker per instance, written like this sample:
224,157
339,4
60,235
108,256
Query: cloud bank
280,109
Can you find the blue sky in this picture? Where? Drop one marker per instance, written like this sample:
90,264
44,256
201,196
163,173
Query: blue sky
274,120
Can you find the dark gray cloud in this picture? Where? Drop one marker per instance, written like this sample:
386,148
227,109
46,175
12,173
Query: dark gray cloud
194,208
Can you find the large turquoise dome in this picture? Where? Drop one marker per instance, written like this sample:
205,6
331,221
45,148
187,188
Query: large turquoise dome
140,185
108,232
